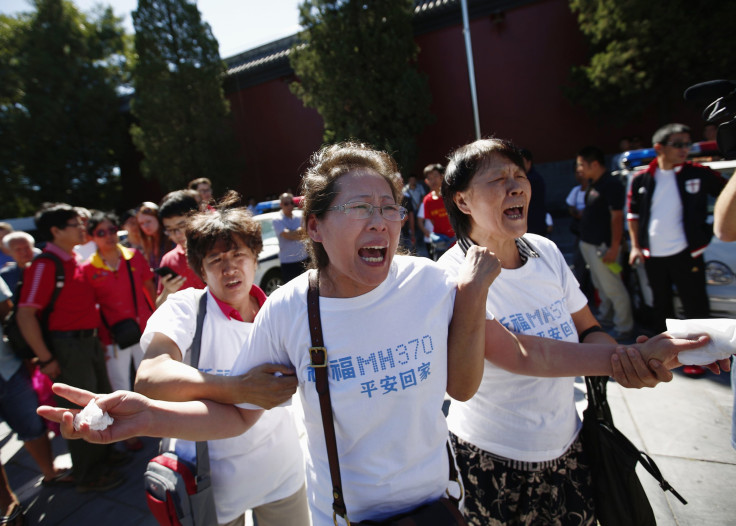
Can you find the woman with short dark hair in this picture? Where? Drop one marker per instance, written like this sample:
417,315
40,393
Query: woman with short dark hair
517,439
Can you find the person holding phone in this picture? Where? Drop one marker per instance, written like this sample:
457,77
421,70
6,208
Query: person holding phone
175,272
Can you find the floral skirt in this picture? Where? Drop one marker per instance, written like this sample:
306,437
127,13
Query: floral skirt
505,492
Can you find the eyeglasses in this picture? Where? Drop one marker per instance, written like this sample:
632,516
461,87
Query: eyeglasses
74,225
175,231
679,145
360,210
106,232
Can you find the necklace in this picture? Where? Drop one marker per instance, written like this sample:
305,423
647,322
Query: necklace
109,265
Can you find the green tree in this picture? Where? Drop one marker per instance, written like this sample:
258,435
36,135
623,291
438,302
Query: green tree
645,53
183,126
356,66
60,124
15,200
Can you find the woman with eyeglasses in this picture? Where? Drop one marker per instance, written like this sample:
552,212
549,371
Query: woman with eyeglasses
398,333
110,270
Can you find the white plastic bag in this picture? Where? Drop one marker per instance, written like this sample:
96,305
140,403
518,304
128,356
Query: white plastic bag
722,343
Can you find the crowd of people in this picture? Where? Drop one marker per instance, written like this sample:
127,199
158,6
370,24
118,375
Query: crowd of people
502,327
82,305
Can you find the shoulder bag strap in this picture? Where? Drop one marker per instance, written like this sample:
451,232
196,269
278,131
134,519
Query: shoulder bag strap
132,285
58,285
318,355
203,457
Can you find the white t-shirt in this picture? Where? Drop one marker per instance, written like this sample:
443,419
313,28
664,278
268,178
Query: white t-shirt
86,250
265,463
666,232
524,417
576,198
428,225
387,354
290,250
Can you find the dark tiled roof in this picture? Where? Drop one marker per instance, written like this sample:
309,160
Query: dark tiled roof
272,60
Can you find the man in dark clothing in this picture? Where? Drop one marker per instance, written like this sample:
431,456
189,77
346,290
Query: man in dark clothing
536,219
70,352
667,216
601,233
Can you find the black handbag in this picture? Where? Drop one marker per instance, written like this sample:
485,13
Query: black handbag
442,512
619,497
127,332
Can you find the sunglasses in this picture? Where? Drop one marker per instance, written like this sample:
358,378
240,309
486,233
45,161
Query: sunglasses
680,144
105,232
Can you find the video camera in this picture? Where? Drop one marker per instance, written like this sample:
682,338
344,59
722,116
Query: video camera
720,99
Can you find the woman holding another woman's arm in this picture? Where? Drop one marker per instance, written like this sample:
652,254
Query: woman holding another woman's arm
517,438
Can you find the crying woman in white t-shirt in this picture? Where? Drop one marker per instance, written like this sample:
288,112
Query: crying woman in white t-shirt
517,438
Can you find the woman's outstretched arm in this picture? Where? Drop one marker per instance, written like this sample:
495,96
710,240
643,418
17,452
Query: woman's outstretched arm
137,415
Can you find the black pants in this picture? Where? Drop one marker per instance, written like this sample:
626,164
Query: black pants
688,275
82,362
291,270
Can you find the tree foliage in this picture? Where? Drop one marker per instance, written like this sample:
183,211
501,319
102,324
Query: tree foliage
357,67
60,124
645,53
183,127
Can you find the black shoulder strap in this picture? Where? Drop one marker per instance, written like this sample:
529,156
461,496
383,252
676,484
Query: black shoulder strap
197,341
58,285
202,473
132,284
203,456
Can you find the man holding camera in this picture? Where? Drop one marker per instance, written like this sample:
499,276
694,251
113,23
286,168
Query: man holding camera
667,216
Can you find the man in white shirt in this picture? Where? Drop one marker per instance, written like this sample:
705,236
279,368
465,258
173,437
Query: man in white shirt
288,227
668,225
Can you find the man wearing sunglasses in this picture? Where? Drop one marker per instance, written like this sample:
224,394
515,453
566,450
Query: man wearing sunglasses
667,216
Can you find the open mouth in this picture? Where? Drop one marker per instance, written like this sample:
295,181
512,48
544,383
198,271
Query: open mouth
373,254
232,284
514,212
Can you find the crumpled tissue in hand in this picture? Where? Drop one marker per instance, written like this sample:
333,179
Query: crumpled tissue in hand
722,343
93,416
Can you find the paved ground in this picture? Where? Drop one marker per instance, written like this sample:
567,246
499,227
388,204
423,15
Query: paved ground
684,425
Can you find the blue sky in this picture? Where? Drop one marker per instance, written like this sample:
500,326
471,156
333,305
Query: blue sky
238,25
